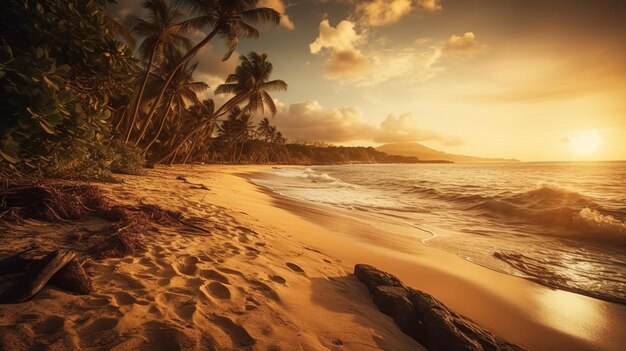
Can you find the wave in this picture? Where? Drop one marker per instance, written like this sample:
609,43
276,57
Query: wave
556,207
318,178
573,273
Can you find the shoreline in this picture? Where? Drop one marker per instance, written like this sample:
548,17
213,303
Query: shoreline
275,273
537,316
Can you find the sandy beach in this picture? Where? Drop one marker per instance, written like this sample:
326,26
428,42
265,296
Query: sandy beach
273,274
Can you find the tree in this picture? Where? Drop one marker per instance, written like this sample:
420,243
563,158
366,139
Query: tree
264,128
250,83
251,80
163,37
226,18
182,91
59,69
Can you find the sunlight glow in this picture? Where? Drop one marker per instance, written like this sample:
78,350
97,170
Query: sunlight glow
586,143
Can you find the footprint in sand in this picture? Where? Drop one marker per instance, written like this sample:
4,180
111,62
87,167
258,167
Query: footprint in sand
236,332
278,279
186,311
229,271
189,266
214,275
243,238
251,303
100,325
124,299
264,289
294,267
219,290
50,325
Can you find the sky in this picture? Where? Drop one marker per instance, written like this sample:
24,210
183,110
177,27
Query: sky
536,80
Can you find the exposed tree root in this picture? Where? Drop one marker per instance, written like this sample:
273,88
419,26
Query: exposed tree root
50,203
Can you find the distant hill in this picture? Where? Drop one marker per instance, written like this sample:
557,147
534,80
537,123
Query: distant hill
425,153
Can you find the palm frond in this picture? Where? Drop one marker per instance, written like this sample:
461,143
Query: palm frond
262,15
229,88
269,102
120,30
275,85
197,87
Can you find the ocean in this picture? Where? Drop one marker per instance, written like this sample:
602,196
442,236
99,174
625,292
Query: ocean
562,225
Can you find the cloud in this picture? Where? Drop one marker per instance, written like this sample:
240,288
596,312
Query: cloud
344,60
430,5
377,13
310,121
348,64
466,43
403,128
279,6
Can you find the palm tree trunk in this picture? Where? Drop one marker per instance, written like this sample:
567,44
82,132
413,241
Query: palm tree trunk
158,133
121,119
133,119
180,64
231,103
193,146
173,157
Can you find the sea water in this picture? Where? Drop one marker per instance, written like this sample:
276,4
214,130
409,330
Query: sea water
559,224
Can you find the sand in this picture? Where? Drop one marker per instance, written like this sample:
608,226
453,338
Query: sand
274,274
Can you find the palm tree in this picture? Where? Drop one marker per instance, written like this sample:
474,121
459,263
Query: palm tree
163,38
226,18
183,91
263,128
249,82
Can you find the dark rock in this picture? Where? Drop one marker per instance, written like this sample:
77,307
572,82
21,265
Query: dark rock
425,318
394,301
372,277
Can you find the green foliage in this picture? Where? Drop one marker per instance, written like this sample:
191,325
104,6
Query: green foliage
126,158
59,66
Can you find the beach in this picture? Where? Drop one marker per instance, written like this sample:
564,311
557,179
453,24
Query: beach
274,274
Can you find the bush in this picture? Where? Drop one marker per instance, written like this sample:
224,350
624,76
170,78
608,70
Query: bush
59,68
126,159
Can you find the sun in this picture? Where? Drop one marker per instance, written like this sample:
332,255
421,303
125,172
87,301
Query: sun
586,143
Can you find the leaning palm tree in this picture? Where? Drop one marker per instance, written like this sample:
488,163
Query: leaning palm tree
183,91
263,128
250,83
226,18
163,37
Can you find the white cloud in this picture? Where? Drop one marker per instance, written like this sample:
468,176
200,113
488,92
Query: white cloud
310,121
279,6
430,5
464,43
344,59
377,13
404,128
347,63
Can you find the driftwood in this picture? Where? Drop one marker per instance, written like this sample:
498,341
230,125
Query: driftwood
73,278
14,264
58,267
426,319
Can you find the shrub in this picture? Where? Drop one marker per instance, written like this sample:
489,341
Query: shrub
59,67
126,159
